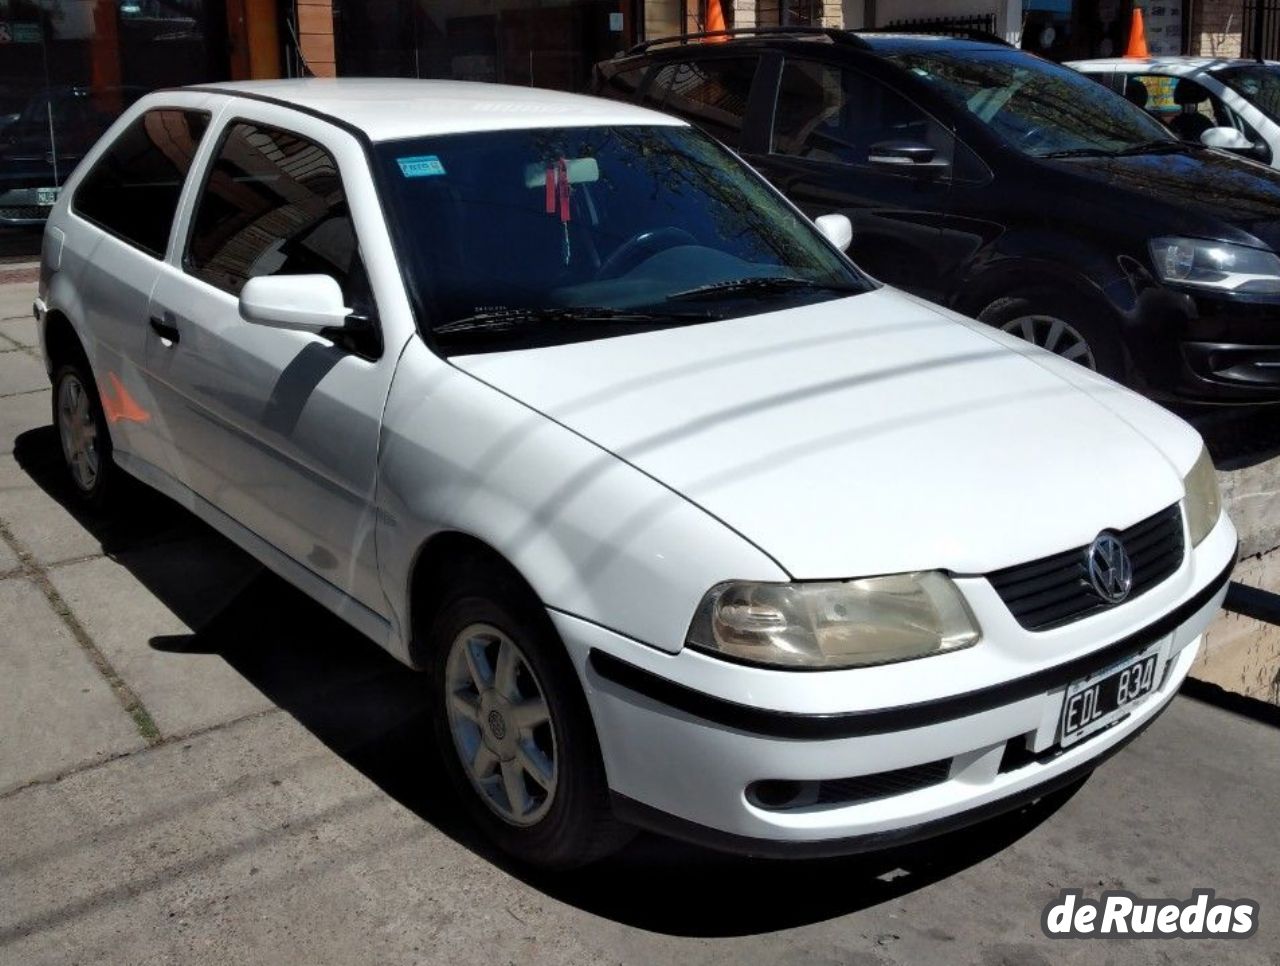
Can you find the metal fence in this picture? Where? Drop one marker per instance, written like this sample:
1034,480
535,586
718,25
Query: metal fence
945,26
1260,29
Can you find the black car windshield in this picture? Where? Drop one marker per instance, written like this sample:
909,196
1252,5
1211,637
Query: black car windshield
562,234
1035,106
1259,84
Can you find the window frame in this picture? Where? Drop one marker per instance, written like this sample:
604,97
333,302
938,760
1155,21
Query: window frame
195,167
226,126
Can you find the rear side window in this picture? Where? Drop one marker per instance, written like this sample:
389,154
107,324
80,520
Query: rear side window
133,190
273,204
711,93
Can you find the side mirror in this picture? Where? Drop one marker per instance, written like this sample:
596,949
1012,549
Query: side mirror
307,303
1227,138
903,154
837,229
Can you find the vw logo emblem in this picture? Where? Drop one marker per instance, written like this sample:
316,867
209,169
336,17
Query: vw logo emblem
1110,571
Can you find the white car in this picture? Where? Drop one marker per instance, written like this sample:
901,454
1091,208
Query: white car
1222,103
691,524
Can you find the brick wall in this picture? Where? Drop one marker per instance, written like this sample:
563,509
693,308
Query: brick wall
1215,27
315,36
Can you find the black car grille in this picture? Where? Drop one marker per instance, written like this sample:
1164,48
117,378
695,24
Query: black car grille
1055,590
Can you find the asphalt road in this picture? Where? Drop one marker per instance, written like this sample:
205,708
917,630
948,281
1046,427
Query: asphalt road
199,765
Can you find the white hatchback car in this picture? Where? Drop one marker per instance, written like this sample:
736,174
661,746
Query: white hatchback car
1220,102
691,524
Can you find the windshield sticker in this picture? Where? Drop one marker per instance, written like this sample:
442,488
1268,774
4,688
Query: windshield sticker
422,166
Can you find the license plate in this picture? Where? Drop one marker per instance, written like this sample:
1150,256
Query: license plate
1100,699
47,196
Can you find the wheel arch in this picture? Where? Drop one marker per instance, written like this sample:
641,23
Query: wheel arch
441,556
62,343
1007,279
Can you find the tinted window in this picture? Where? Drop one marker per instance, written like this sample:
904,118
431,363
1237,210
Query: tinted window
711,93
621,218
1259,84
826,113
133,190
273,204
1036,107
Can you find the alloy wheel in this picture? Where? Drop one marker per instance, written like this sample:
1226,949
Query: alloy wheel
501,724
1055,335
78,431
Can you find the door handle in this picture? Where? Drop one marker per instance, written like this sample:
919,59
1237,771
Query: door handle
165,328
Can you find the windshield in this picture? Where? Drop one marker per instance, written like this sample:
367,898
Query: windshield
1039,108
1259,84
576,233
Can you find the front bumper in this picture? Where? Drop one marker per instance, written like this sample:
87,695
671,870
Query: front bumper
1203,347
681,761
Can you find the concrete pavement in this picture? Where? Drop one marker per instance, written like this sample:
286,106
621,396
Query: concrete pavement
199,765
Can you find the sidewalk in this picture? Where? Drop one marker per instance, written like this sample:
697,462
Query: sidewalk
199,765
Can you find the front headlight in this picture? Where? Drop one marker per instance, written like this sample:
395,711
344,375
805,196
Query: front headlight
850,623
1216,265
1204,501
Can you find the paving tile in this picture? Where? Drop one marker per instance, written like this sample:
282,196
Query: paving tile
20,372
20,331
142,612
21,414
56,711
43,525
15,300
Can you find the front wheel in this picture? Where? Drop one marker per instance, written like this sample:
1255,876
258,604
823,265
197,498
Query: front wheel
515,730
1060,323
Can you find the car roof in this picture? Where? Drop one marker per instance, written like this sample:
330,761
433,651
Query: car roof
869,42
1176,66
391,109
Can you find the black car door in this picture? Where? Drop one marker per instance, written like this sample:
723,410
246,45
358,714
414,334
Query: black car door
840,141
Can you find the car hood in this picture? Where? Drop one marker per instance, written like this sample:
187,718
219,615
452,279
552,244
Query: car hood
1204,191
864,435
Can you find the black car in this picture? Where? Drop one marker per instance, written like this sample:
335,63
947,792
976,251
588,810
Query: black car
1006,187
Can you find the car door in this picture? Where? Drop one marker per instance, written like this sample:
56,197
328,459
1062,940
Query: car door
113,246
832,149
278,428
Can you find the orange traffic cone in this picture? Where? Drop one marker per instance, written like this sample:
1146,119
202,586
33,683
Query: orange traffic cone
715,21
1137,37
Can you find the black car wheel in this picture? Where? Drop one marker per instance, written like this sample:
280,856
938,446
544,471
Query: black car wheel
1060,323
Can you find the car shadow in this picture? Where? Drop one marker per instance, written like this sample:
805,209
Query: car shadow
370,710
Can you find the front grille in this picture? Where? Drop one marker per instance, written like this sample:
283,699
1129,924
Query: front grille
780,795
1055,590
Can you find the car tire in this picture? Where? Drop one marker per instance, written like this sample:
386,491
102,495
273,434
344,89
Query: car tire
1062,323
559,815
83,435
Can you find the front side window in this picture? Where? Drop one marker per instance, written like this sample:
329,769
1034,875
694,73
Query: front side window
1038,108
132,191
712,93
827,113
546,233
273,204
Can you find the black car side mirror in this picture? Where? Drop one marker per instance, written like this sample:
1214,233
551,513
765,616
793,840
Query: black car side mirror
905,155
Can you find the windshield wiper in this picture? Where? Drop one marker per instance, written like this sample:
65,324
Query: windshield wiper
763,285
1146,147
1161,146
507,319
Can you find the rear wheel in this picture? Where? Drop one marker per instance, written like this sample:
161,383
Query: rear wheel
82,433
1061,323
516,734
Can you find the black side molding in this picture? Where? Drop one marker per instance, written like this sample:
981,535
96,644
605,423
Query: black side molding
790,725
663,823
